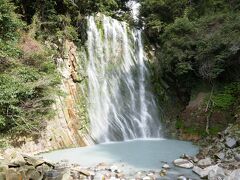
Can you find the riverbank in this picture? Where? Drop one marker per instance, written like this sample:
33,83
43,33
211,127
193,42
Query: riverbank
156,159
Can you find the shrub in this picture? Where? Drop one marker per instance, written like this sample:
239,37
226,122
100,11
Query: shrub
26,94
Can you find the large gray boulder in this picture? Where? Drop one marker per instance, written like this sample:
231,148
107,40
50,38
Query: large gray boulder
203,173
235,175
216,173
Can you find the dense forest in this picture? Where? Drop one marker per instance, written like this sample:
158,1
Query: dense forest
196,44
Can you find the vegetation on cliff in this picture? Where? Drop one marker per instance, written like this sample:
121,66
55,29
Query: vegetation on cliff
29,77
196,43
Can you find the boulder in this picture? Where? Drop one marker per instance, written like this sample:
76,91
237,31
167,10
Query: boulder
183,163
14,157
235,175
53,174
203,173
230,142
85,172
18,160
33,174
199,171
204,162
43,168
33,161
11,174
216,173
67,175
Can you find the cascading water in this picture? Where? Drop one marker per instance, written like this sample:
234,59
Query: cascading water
121,107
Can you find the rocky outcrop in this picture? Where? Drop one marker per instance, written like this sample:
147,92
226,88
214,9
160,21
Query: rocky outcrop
69,126
219,159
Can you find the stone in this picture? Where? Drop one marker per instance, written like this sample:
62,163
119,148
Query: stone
185,156
120,175
102,166
18,160
216,173
33,174
99,175
220,155
53,174
84,172
181,178
14,157
199,171
204,162
163,172
114,169
203,173
146,178
234,175
166,166
43,168
67,175
183,163
237,157
11,174
33,161
195,159
230,142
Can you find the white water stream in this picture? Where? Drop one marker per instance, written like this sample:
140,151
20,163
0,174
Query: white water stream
121,107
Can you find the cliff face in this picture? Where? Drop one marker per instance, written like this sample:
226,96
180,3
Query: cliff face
68,127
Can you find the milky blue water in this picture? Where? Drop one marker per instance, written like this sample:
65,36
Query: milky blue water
135,155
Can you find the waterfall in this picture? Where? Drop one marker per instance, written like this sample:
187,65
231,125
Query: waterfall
121,107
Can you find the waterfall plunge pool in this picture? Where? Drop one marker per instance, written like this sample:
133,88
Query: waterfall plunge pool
130,156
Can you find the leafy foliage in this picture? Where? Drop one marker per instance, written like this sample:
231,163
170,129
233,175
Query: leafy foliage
225,98
195,41
9,29
27,80
26,94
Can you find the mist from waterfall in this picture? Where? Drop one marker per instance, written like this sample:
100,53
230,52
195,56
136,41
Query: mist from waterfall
121,107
